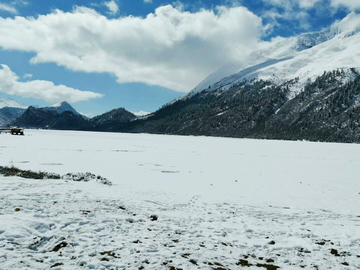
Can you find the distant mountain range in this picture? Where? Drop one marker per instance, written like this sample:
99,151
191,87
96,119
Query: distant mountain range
9,111
9,114
49,119
301,88
10,103
64,117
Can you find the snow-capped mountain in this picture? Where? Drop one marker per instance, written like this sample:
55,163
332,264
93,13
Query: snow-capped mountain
10,110
299,88
269,52
305,57
61,107
11,104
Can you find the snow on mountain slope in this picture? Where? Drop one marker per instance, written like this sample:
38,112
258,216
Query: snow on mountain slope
10,103
62,107
306,57
276,49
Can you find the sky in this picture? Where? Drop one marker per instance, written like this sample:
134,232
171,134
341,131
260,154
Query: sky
138,54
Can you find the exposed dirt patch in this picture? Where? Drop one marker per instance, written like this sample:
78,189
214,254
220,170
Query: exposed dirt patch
59,246
56,264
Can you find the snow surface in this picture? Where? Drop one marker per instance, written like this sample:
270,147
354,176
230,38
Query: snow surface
56,105
141,113
306,56
176,201
4,102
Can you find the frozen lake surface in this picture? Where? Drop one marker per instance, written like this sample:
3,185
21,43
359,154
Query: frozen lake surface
179,203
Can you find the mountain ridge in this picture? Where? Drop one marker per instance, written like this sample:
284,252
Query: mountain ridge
305,56
58,119
10,103
327,110
10,110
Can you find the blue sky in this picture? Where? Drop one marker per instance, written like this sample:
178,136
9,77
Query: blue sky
100,55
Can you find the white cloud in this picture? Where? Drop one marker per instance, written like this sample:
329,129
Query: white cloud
112,6
8,8
12,6
170,47
20,3
308,4
27,76
290,4
44,90
297,12
148,1
350,4
294,11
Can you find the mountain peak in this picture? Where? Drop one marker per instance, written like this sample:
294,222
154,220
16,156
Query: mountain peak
10,103
349,25
61,104
62,107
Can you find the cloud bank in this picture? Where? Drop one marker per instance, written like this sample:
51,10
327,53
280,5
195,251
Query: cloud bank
44,90
170,47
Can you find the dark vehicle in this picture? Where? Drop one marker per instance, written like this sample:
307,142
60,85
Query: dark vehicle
17,131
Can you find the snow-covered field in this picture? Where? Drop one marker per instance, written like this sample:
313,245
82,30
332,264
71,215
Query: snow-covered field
179,203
